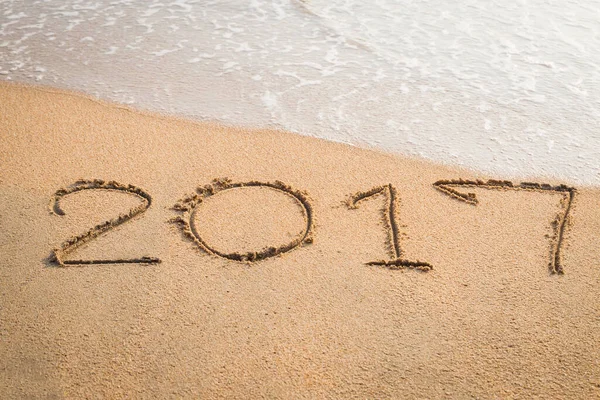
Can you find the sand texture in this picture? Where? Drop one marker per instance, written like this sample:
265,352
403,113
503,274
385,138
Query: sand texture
149,257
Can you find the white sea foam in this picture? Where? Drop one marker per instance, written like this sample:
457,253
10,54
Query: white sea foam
512,88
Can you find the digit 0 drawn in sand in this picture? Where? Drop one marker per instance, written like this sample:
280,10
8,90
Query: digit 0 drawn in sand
188,206
74,242
558,224
389,218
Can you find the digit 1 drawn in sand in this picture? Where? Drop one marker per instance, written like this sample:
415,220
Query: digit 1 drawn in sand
74,242
389,217
188,205
558,224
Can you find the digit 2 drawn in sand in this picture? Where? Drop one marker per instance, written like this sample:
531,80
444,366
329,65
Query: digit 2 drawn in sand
558,224
389,217
74,242
188,205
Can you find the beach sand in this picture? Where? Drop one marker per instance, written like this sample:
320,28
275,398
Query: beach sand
309,320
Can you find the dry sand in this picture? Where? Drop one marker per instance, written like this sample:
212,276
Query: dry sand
489,320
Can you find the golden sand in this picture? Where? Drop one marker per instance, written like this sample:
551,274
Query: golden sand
145,256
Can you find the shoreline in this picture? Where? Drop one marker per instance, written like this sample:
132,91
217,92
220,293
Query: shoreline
471,171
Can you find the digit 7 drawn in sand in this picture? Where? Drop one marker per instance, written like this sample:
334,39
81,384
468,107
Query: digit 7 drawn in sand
188,205
71,244
389,216
558,224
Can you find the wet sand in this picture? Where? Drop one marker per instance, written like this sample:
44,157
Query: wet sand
314,270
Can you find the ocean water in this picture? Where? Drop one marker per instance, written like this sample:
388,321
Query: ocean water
508,88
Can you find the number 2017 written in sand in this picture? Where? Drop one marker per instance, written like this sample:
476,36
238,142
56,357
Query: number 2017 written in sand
188,206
